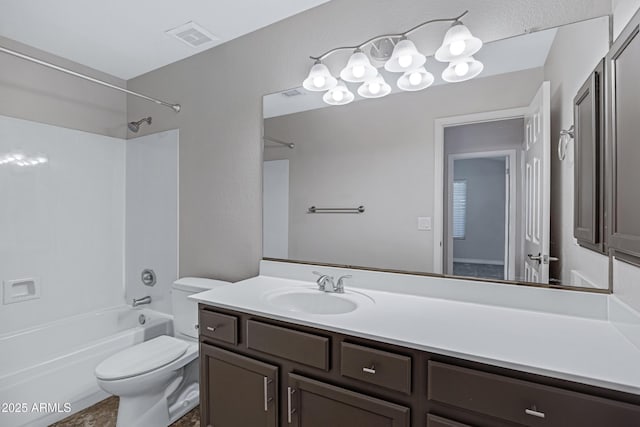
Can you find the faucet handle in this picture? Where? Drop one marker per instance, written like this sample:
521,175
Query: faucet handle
339,287
323,279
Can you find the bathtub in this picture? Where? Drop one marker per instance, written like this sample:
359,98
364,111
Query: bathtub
47,372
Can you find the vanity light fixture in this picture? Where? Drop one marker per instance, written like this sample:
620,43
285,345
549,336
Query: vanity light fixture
405,57
458,43
457,48
462,70
374,88
319,79
415,80
339,95
358,69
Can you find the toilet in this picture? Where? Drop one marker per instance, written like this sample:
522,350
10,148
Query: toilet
157,380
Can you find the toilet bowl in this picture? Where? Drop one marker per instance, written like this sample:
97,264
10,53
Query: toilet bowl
157,380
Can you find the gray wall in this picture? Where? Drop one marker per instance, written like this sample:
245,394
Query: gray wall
221,90
32,92
485,219
379,153
567,68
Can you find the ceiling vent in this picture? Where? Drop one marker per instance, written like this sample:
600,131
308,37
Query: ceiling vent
193,35
292,92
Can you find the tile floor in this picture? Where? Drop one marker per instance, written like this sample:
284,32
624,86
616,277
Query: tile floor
103,414
484,271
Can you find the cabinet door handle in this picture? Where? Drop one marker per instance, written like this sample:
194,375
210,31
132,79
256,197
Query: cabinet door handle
265,383
534,413
290,410
371,370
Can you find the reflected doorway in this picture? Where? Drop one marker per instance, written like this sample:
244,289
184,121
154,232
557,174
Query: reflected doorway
479,201
482,204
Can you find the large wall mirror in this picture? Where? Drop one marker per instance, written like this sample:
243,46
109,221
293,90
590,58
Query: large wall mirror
460,179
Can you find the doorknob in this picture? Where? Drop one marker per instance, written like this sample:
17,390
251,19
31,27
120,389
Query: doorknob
533,257
542,258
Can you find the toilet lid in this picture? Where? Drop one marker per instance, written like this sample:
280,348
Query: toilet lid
141,358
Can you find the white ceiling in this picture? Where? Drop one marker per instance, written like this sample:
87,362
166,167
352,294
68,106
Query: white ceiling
126,38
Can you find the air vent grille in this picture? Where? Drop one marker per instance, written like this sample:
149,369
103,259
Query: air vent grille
193,35
292,92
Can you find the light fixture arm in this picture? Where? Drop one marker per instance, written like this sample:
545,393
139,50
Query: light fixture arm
387,36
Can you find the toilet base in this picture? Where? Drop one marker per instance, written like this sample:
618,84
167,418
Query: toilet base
150,410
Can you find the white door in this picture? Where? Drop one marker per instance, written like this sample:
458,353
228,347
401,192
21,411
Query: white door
537,148
275,206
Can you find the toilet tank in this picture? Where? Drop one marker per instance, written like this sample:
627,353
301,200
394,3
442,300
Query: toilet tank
185,310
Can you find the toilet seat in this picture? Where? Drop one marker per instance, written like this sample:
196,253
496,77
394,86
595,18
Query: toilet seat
142,358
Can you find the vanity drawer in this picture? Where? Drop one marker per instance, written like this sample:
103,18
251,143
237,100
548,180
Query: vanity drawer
304,348
377,367
435,421
217,326
524,402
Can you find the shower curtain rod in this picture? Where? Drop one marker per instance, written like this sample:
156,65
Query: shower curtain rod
174,107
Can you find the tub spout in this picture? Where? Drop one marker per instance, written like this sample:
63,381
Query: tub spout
141,301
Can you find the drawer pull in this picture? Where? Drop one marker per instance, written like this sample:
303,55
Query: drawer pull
371,370
211,328
534,413
290,410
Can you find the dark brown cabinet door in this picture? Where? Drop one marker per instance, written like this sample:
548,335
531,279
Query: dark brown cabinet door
313,403
588,118
623,131
239,391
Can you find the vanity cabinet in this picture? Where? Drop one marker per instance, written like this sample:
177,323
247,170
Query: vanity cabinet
623,131
237,390
589,204
313,403
276,373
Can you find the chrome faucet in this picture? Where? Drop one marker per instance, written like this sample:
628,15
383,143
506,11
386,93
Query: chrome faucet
141,301
339,286
323,281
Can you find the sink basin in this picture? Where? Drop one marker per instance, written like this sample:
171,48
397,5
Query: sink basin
314,301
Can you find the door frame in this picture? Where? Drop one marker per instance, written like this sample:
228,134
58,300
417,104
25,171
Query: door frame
510,206
438,169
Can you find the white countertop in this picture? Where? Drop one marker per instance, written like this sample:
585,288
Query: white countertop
575,348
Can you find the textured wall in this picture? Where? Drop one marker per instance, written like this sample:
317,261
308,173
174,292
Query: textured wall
567,68
379,153
221,90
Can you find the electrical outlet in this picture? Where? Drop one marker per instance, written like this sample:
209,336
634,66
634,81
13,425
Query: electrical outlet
424,223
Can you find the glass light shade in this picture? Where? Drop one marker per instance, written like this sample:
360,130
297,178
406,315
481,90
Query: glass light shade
358,69
319,79
462,69
405,57
415,80
339,95
458,43
374,88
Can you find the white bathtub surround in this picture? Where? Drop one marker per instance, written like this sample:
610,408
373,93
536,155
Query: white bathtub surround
152,216
61,222
55,362
157,381
562,334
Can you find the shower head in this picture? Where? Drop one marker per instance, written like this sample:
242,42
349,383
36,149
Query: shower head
135,126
